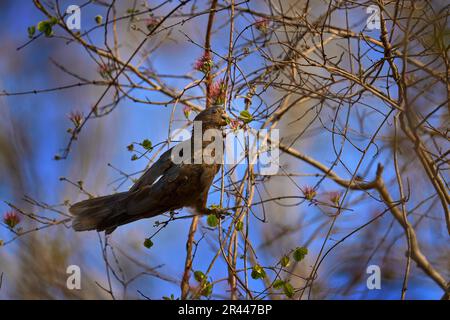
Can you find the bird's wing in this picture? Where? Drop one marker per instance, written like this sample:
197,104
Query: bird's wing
154,172
162,195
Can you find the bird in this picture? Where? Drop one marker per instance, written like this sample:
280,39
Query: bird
166,186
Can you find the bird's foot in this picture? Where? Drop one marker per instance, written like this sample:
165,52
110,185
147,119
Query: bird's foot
217,211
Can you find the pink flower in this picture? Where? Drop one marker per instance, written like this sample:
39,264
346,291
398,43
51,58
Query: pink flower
235,124
335,197
217,93
187,111
11,219
309,193
104,70
262,25
151,23
77,118
204,63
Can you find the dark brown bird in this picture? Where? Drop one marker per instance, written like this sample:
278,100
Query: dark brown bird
164,187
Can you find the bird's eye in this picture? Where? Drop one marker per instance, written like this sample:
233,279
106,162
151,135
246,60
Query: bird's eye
215,111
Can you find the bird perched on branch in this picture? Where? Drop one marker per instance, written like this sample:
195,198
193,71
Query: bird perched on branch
164,187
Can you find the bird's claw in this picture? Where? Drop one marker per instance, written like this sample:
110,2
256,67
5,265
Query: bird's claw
218,212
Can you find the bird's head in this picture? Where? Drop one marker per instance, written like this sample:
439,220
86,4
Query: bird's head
213,117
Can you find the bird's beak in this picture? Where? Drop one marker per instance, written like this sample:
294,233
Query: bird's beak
225,118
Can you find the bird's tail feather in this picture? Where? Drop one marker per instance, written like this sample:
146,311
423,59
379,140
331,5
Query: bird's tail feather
99,213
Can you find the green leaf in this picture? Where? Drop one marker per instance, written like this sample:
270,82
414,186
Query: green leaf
148,243
42,25
147,144
134,157
278,284
258,272
246,116
199,276
207,289
53,21
31,31
239,225
288,290
300,253
130,147
212,221
285,261
45,27
98,19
